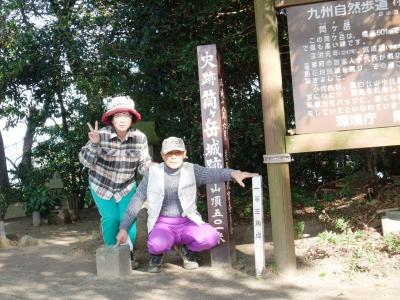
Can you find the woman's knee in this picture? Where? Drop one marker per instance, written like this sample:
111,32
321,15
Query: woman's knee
212,238
158,245
208,239
110,221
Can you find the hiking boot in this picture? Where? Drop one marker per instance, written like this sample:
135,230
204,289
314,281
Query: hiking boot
134,261
155,264
190,258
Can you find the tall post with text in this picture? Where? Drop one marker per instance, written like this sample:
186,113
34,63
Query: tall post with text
258,217
216,141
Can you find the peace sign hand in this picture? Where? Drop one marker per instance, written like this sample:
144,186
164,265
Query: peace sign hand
93,134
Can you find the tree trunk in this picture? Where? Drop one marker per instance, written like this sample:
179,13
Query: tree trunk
4,181
25,166
2,230
62,107
372,158
36,119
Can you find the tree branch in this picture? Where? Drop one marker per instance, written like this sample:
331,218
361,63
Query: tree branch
11,162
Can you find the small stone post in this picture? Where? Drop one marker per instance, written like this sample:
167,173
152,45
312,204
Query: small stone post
113,261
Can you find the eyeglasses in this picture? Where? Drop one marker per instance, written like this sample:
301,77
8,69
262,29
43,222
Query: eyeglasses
122,115
175,153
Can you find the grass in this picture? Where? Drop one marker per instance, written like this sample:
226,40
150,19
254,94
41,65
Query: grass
360,251
299,229
392,242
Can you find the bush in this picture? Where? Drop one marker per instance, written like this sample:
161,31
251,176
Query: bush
392,242
38,199
302,197
299,229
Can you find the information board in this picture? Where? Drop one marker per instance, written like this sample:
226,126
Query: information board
345,63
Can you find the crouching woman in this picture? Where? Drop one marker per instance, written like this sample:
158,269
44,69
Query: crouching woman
170,189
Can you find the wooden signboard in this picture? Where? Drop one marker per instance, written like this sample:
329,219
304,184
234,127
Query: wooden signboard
345,61
215,139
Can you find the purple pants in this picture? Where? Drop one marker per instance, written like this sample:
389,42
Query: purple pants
169,231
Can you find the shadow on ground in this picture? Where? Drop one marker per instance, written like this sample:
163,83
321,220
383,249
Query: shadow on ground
63,267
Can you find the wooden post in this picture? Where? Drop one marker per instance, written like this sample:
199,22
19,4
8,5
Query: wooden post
274,132
215,138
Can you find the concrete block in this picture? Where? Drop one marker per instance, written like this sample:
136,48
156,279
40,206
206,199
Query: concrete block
391,222
393,214
113,261
15,210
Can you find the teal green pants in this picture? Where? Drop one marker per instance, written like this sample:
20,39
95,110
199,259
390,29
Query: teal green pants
112,214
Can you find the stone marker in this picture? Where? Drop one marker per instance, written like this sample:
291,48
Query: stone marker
391,222
64,217
28,241
113,261
36,219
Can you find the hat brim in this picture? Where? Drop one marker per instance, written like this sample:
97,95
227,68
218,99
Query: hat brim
105,118
166,150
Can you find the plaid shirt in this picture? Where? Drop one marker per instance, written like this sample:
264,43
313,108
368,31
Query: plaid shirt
113,163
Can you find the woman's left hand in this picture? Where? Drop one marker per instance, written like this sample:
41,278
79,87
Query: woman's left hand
122,236
239,176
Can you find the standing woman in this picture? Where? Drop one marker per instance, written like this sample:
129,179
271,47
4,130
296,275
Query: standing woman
113,156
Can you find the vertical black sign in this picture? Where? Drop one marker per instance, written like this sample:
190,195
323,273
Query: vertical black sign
215,139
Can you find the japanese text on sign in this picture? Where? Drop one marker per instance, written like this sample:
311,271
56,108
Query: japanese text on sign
214,125
345,65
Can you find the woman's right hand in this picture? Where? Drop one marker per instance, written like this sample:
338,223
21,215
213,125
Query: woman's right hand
93,134
122,236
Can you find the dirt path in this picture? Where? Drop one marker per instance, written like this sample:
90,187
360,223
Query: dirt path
63,267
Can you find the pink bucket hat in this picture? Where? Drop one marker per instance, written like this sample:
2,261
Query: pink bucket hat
120,104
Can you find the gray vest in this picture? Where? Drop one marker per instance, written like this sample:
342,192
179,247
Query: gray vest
186,192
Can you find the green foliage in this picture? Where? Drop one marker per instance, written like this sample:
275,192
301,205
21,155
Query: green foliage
242,206
8,195
344,239
38,199
302,197
342,225
362,260
348,191
266,201
148,128
336,219
328,237
61,67
242,203
274,268
392,242
299,229
88,200
329,197
358,248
